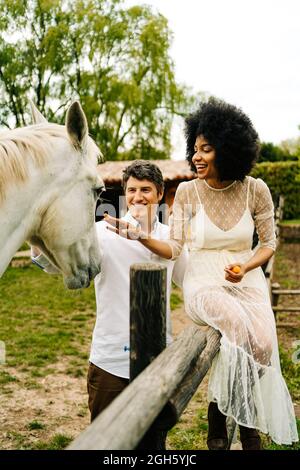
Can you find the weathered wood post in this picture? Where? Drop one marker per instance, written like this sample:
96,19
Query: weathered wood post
148,284
148,291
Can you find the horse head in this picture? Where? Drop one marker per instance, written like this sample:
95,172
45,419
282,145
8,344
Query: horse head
64,228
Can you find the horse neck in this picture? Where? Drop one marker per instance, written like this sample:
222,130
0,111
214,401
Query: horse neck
10,242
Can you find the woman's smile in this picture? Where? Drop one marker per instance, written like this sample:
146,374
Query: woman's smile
204,158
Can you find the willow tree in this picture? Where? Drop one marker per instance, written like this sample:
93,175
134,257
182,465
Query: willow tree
116,60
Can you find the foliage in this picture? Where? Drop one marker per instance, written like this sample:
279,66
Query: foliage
282,178
114,59
273,153
291,146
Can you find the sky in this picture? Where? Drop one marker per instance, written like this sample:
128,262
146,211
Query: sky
246,52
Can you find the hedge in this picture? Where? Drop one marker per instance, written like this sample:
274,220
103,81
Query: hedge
282,178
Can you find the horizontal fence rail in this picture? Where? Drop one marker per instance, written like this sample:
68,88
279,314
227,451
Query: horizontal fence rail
122,425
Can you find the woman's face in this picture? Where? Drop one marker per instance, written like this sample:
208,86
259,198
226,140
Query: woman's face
204,159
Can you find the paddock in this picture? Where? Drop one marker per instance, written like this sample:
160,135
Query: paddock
47,331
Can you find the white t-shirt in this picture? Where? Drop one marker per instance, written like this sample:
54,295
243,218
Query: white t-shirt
110,343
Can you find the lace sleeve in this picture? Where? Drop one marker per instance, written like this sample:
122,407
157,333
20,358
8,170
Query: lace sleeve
179,221
264,215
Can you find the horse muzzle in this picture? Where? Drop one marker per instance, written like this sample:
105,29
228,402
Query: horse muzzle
82,278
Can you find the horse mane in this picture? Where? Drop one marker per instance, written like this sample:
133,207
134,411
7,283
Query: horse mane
20,146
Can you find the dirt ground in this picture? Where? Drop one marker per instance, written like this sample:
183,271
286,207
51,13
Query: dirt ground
58,401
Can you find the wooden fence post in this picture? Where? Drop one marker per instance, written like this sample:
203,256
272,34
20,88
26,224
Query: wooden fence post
147,315
148,300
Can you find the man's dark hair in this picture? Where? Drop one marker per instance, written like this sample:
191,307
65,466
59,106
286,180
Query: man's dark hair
144,170
230,132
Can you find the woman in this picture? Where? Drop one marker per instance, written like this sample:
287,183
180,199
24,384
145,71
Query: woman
224,285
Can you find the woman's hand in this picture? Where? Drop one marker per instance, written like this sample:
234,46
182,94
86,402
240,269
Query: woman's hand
124,228
232,276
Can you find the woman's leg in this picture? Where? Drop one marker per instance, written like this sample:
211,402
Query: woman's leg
239,315
250,438
217,432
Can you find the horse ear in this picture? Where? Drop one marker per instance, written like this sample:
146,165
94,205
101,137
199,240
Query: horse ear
77,126
37,117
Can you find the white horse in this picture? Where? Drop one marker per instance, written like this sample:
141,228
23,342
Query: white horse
49,185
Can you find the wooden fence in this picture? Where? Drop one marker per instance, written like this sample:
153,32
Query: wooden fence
168,381
274,288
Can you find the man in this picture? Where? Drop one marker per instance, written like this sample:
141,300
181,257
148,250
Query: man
108,372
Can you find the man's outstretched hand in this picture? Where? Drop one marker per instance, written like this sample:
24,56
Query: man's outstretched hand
124,228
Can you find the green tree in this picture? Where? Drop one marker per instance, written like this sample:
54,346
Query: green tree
291,146
273,153
114,59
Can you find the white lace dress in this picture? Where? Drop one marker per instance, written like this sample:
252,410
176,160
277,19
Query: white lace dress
218,225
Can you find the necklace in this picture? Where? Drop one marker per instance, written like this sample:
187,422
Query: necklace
220,189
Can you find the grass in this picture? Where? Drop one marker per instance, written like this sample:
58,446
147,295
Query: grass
57,442
291,372
176,299
41,321
191,435
24,247
33,425
286,269
291,222
6,378
269,445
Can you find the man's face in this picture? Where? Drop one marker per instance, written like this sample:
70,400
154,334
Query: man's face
142,199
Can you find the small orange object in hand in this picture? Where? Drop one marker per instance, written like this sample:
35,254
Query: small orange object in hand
236,269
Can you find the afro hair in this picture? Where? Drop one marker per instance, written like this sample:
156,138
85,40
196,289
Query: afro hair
230,132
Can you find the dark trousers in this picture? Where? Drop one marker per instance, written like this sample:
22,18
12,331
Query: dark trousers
103,388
